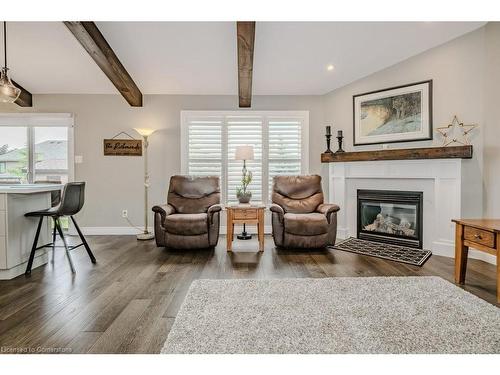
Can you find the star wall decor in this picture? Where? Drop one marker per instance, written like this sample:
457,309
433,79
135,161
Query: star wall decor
456,132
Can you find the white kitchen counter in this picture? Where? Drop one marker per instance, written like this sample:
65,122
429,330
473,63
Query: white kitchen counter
17,232
28,188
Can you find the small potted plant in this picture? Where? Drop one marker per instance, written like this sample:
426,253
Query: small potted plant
242,193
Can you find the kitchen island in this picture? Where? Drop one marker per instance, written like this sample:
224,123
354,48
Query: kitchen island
17,232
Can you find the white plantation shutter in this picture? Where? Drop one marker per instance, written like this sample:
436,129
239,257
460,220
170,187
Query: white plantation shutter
204,147
243,131
285,148
209,141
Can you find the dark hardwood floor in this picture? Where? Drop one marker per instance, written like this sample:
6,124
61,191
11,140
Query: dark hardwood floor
127,302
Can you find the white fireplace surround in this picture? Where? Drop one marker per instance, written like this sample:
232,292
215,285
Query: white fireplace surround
440,180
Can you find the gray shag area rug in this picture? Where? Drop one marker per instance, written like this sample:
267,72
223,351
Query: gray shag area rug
334,315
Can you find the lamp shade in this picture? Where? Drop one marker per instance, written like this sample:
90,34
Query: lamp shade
144,131
8,92
244,153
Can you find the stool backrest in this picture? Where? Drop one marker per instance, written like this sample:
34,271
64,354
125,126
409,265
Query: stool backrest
55,195
73,198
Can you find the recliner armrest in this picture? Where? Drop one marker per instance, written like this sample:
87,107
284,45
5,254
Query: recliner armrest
277,209
212,210
164,211
327,209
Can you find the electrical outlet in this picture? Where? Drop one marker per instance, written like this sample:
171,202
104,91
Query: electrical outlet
124,213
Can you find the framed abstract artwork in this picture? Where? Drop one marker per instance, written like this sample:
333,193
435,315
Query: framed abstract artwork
396,114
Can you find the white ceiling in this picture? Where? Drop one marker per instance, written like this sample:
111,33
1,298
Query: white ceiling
200,57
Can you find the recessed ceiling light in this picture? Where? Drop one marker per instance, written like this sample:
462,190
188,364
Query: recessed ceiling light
330,67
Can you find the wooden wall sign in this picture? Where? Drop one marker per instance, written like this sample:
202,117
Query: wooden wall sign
123,147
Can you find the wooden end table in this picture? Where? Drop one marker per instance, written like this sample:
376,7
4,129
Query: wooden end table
245,214
482,235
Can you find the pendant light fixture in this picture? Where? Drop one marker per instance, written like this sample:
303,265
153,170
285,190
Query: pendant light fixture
8,92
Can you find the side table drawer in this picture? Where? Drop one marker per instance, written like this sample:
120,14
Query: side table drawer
479,236
245,214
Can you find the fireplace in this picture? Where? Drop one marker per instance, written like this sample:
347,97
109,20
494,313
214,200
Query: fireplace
393,217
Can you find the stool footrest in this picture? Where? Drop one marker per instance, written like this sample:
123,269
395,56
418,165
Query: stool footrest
51,245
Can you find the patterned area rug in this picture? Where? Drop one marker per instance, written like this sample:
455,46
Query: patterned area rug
333,315
402,254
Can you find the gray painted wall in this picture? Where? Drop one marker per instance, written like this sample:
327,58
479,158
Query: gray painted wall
116,183
458,74
492,122
466,78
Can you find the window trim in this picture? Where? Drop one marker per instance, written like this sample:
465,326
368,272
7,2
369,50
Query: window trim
265,115
32,120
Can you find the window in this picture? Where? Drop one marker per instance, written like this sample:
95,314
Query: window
204,148
36,148
285,148
280,141
14,154
50,154
244,131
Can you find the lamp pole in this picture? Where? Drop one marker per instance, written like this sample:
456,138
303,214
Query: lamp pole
146,183
146,235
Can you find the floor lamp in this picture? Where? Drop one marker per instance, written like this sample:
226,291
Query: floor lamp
146,234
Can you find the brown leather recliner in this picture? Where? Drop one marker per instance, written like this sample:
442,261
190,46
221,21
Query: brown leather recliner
190,219
300,219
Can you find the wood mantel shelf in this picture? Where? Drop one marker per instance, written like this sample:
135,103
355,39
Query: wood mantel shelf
457,152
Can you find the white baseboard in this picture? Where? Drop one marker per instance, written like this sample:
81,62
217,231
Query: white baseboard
475,254
107,231
447,249
123,231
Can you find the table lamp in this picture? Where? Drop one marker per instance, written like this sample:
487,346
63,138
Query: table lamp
244,153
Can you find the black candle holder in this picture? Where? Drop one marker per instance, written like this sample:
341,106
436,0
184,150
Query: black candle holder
328,138
339,139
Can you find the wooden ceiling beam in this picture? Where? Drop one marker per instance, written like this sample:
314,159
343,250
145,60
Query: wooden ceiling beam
25,98
246,40
89,36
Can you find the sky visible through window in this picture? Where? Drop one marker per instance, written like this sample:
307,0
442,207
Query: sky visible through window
51,134
15,137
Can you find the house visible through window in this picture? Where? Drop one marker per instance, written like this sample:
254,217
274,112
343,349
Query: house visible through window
51,155
32,150
279,139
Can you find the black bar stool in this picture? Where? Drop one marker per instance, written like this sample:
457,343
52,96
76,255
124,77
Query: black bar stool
72,200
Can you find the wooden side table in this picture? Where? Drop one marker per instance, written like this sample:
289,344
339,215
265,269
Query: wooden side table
481,234
245,214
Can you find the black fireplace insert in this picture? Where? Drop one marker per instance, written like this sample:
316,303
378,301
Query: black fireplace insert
389,216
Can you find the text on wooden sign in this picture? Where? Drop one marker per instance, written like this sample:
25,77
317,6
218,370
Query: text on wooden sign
123,147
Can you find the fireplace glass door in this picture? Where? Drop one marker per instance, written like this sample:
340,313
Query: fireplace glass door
390,216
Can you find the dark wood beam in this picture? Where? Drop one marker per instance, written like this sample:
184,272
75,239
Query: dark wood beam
89,36
25,98
246,39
